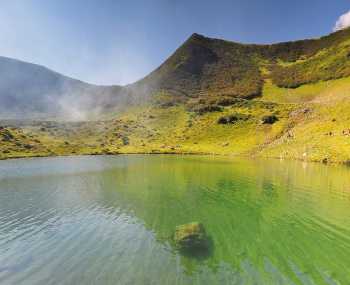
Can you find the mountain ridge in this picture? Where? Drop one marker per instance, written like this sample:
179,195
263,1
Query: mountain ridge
200,67
205,64
211,96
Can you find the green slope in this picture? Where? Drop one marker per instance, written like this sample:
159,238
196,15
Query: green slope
212,96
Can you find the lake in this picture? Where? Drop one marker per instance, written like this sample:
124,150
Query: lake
111,220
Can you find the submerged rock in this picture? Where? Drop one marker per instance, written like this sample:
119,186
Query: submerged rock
191,237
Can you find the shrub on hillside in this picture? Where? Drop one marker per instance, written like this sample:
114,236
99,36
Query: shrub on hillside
269,119
205,108
233,118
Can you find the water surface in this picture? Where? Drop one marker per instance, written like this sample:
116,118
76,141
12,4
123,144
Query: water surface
110,220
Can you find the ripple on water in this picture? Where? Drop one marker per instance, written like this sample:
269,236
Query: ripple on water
111,221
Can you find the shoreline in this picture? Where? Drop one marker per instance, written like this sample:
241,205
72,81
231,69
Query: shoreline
332,163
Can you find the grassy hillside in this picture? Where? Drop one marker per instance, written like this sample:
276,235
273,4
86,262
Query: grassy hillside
287,100
203,66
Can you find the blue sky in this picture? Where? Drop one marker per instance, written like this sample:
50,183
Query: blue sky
120,41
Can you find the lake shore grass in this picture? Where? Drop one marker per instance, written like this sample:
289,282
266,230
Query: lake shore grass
311,125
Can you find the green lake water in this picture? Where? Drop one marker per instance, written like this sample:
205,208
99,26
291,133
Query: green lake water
110,220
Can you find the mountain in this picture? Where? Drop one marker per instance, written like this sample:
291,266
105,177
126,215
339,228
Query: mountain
285,100
201,67
204,66
29,90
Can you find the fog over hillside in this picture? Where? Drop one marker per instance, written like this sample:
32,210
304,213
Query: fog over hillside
33,91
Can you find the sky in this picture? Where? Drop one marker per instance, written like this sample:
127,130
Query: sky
111,42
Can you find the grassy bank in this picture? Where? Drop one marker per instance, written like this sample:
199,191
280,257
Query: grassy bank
312,124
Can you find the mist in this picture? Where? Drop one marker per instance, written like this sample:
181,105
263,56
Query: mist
80,69
30,91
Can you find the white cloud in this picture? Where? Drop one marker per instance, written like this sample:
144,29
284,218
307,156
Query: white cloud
343,22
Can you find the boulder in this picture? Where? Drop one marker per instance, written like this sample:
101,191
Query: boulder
191,237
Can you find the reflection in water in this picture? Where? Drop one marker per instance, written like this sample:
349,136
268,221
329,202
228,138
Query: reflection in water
110,220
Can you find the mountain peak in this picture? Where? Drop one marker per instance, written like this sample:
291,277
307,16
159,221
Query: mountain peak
197,36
